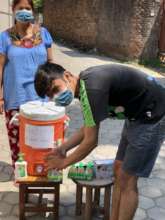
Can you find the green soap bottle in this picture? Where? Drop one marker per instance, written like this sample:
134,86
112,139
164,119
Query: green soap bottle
81,171
76,174
72,171
55,175
20,167
89,171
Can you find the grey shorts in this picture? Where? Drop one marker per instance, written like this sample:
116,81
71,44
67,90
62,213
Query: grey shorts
139,146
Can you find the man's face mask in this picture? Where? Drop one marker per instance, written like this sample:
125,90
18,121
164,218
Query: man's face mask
24,15
64,97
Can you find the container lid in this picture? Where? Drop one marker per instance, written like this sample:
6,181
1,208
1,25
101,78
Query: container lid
42,111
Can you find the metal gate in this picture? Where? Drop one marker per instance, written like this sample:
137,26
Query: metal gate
5,14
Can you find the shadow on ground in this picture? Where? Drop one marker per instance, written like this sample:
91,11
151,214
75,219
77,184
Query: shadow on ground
6,172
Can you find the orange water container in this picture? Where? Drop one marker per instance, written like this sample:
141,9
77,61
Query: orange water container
41,125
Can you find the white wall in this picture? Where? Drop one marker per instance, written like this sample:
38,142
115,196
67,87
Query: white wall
5,14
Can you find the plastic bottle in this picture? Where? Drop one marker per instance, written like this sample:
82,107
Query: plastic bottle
81,171
72,171
20,167
76,174
89,171
55,175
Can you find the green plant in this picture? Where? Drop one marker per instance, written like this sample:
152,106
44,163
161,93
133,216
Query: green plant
155,63
38,5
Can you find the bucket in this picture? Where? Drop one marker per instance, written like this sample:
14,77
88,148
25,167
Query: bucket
41,125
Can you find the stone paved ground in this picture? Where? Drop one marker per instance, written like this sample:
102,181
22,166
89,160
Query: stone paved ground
152,190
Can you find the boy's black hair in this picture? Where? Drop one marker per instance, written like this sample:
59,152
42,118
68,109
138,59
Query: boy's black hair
45,74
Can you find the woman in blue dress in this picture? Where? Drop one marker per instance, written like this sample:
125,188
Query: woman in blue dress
23,48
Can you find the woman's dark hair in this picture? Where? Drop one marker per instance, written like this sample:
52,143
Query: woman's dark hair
45,74
15,2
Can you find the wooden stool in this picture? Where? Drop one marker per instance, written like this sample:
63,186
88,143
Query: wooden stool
93,204
38,185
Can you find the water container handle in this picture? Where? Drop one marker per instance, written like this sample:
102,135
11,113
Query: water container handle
14,120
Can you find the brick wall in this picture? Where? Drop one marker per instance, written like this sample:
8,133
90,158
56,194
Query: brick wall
162,32
123,29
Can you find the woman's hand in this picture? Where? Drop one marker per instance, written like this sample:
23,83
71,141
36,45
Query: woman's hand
1,106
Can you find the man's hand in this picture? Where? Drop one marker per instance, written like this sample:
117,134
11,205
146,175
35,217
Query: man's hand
88,143
55,161
58,151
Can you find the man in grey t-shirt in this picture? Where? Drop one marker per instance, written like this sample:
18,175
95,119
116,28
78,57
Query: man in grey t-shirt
111,91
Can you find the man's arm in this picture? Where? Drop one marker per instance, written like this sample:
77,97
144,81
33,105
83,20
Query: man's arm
88,143
69,144
73,141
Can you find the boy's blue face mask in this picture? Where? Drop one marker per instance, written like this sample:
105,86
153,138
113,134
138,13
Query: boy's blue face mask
64,98
24,16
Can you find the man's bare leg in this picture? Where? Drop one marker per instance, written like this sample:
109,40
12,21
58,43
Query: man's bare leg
129,196
116,191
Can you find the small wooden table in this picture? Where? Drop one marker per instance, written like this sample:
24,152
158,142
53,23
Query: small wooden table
38,185
92,204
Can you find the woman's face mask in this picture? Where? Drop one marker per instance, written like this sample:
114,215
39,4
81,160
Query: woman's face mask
24,15
63,98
